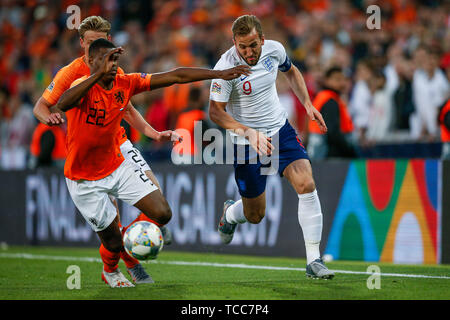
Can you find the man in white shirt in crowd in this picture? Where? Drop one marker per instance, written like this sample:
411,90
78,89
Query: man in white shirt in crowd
430,90
361,99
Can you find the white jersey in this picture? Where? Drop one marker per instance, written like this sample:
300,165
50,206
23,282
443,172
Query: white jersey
253,100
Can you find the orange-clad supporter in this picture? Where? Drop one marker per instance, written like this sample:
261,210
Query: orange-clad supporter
315,5
176,97
187,120
39,47
48,146
95,167
232,9
91,29
403,11
200,16
444,122
157,115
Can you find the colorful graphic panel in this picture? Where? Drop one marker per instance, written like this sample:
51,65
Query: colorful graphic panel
388,212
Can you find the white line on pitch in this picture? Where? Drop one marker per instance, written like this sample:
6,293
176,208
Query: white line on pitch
206,264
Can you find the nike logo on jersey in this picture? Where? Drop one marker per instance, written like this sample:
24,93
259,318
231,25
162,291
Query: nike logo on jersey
243,78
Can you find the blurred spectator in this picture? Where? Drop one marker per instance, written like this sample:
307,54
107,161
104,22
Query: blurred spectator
35,42
4,109
430,90
380,110
361,99
189,120
392,70
403,95
15,130
176,99
48,146
338,141
444,123
157,114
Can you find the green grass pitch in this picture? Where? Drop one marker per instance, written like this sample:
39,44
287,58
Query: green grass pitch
41,273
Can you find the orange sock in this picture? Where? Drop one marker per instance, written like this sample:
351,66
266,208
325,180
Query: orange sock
110,259
130,262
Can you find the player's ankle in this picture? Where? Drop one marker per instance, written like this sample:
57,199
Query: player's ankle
109,269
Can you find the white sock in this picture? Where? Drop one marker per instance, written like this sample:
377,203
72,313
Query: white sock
235,213
310,219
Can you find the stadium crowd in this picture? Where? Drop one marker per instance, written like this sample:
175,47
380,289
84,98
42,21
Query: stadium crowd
396,76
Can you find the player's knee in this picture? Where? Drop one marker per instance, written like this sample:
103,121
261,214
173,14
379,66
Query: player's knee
306,186
164,214
167,215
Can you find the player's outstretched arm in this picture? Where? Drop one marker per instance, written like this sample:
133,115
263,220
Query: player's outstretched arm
258,140
72,97
185,75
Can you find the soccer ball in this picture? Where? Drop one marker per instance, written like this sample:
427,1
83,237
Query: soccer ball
143,240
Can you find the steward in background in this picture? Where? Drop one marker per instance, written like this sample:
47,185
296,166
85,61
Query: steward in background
337,141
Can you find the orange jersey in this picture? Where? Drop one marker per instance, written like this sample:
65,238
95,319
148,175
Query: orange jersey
93,127
65,77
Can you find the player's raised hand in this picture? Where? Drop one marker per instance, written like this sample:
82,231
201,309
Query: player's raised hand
232,73
315,115
108,60
260,142
56,117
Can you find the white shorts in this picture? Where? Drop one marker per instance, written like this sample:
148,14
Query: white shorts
133,155
92,198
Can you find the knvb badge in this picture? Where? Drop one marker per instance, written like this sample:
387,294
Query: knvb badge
119,96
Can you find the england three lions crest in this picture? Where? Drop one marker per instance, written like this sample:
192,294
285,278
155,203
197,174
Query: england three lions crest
268,64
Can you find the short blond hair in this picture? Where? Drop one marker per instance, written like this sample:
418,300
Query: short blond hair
245,24
94,23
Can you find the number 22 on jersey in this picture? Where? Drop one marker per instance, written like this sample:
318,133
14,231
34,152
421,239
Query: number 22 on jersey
96,116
